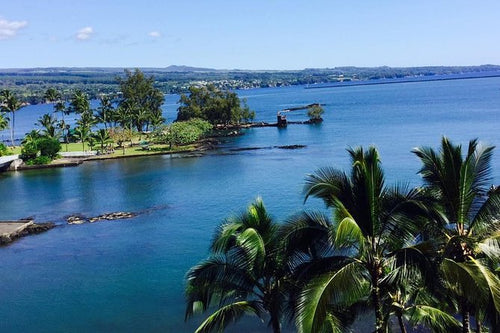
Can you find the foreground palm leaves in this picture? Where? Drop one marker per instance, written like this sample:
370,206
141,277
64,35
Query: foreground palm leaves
375,227
406,257
243,275
470,232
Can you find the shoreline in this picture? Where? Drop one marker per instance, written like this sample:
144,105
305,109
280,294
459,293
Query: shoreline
201,146
76,161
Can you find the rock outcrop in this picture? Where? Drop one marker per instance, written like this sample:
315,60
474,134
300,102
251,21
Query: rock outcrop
80,219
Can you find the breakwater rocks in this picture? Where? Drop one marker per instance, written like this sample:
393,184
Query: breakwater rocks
291,147
25,228
80,219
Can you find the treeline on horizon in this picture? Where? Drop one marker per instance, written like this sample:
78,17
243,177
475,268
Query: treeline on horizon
31,83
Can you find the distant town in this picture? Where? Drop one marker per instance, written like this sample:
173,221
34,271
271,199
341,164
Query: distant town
30,84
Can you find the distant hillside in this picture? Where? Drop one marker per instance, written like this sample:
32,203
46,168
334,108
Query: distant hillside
175,68
31,83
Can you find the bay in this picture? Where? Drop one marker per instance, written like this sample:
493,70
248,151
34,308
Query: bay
128,275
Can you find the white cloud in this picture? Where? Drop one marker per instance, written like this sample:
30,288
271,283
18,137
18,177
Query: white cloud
155,34
84,33
9,29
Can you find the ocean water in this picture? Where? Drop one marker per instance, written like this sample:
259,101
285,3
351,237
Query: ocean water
128,276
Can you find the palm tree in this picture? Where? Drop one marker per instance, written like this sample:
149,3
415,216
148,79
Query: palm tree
10,103
82,134
105,112
54,96
470,232
48,122
244,273
124,115
373,234
79,102
103,138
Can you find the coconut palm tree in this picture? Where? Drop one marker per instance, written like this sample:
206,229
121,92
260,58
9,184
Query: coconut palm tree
10,103
470,233
54,96
105,111
102,137
373,234
243,275
124,115
79,102
82,134
48,122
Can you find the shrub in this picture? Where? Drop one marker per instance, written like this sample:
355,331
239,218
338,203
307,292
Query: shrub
315,112
204,126
186,132
182,133
4,150
49,147
29,150
39,160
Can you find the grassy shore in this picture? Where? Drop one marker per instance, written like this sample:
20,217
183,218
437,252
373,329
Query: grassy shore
129,149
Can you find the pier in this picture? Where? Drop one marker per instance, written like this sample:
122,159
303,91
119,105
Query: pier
10,230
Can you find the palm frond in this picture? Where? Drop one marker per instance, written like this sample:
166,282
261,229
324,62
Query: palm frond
305,233
228,314
490,247
368,185
326,184
344,286
216,276
411,263
435,319
482,166
487,219
225,236
472,281
349,234
253,245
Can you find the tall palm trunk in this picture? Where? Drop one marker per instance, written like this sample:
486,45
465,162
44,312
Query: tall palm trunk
479,326
275,322
65,131
13,123
465,317
401,323
379,319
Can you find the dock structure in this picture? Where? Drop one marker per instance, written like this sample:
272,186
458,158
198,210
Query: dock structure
10,230
6,161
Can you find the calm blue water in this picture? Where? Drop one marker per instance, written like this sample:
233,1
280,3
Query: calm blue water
128,275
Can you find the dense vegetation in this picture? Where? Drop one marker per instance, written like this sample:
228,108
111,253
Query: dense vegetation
30,84
132,112
427,256
213,105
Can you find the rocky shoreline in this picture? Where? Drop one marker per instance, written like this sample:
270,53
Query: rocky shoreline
28,227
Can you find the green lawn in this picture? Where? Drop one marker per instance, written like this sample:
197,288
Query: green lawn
134,150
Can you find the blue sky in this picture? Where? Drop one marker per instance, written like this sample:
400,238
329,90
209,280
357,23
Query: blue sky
257,34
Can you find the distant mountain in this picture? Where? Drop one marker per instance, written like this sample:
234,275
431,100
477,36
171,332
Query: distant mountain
175,68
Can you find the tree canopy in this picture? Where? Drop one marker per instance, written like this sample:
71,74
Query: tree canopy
213,105
141,100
